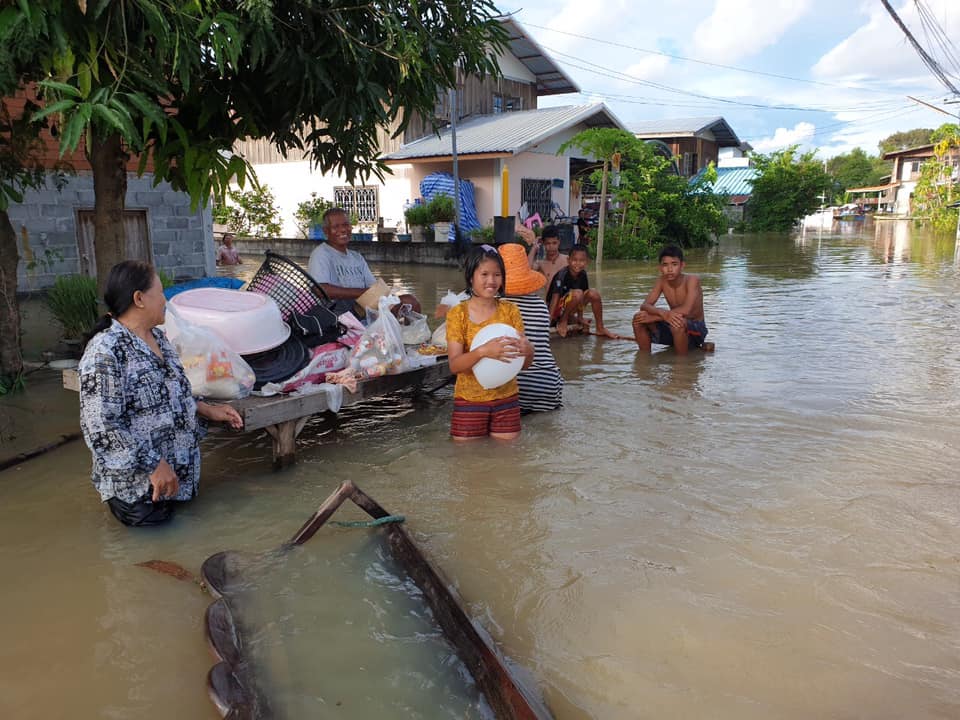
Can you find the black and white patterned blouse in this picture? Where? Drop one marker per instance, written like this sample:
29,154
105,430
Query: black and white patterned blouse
136,409
541,384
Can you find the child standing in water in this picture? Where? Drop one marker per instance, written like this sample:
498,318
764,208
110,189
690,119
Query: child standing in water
477,411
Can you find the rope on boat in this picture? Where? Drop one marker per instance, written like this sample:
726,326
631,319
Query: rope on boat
369,523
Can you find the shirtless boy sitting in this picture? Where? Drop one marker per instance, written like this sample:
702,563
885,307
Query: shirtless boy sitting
682,325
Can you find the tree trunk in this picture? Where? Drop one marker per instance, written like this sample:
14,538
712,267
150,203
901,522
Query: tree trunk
11,356
109,161
603,212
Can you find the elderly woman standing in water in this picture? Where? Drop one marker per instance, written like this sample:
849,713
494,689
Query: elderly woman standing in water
137,414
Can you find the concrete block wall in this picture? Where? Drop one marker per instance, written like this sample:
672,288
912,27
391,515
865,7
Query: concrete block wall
388,252
181,238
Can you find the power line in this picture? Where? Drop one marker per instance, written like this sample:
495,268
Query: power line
588,66
927,59
707,62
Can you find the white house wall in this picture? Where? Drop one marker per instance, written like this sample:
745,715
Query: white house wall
292,182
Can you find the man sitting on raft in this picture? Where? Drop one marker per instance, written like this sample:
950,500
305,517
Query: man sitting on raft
683,324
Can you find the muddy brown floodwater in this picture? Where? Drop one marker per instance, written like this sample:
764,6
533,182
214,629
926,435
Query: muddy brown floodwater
770,531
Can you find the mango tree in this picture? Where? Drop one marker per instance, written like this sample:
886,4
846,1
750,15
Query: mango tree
177,82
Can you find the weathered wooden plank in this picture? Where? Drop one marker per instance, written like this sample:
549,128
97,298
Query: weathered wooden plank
259,412
71,380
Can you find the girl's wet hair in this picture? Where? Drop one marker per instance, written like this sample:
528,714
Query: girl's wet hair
125,279
476,256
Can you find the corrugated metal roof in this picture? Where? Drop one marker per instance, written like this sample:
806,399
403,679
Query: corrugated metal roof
732,181
673,127
507,133
551,80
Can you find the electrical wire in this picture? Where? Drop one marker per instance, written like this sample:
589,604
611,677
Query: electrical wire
707,62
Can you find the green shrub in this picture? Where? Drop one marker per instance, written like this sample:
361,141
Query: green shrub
310,213
166,279
482,235
417,215
73,302
441,208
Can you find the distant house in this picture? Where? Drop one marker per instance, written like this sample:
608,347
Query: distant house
736,184
693,142
55,229
497,122
526,142
898,193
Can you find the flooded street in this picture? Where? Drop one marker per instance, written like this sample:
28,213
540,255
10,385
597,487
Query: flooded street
769,531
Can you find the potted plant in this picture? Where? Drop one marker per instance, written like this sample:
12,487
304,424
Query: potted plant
441,215
417,217
309,216
73,302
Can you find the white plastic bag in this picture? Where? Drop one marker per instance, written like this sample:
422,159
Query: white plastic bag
439,337
380,350
413,326
214,370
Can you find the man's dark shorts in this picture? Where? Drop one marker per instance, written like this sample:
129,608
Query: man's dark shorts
696,332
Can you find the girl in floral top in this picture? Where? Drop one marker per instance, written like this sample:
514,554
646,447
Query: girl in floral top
478,412
137,414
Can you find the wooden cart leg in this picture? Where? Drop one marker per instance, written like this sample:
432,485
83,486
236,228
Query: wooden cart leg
284,436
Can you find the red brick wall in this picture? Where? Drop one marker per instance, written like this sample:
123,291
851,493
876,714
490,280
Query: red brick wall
50,157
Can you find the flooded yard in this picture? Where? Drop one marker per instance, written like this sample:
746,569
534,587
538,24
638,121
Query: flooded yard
769,531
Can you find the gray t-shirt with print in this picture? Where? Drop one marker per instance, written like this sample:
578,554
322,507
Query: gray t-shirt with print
343,269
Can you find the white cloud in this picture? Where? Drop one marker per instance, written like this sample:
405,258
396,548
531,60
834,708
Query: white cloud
800,134
740,28
649,68
880,50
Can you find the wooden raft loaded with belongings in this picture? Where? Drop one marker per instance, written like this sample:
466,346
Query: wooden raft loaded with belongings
232,682
284,416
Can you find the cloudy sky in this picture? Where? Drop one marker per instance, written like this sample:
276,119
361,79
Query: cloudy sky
827,74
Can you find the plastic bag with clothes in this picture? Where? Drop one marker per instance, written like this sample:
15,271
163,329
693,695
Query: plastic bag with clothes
413,326
213,369
380,351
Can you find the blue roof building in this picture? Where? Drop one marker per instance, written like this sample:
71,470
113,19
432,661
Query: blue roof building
735,182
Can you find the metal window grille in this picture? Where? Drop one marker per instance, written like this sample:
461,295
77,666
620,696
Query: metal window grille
364,202
537,195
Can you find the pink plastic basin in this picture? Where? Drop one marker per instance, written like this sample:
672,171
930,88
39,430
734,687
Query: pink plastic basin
248,322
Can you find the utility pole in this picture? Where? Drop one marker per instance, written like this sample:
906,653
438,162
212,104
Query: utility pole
456,167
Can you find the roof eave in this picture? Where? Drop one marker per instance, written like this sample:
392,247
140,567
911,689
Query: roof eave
516,33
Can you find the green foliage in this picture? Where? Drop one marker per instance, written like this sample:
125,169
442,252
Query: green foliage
310,212
440,208
652,204
166,279
181,82
14,383
483,234
418,214
855,169
905,139
787,188
254,213
73,302
50,257
934,192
